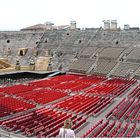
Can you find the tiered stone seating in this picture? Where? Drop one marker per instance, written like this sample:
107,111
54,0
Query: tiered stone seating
70,39
134,56
137,73
111,53
87,52
103,67
81,65
124,69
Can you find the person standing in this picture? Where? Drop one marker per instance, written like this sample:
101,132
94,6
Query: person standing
66,131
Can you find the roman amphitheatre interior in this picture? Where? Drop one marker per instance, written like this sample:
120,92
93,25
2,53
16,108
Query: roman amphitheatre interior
91,76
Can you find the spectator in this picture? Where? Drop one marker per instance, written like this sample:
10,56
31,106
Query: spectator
66,131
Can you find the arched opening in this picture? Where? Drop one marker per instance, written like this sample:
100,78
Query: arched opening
21,53
46,41
117,42
8,41
80,41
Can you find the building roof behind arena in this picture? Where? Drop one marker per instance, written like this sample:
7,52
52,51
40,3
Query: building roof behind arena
43,27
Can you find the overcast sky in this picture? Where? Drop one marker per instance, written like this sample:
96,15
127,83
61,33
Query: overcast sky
17,14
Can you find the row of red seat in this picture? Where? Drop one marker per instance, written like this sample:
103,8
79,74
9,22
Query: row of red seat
127,109
42,122
135,93
10,106
69,82
16,89
79,84
67,77
131,131
70,86
91,130
138,118
110,129
111,87
102,89
44,83
90,80
120,81
138,133
127,84
84,104
1,95
43,96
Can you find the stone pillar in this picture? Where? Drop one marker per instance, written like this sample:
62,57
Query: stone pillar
49,68
32,65
106,24
17,65
35,52
73,25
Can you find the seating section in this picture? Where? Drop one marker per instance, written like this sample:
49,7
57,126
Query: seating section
88,105
111,129
16,89
1,95
70,86
113,87
87,52
44,83
39,108
92,79
78,84
10,106
42,123
71,42
107,60
138,133
67,77
134,56
36,92
43,96
127,109
125,69
81,65
111,53
71,83
135,93
103,66
137,74
55,80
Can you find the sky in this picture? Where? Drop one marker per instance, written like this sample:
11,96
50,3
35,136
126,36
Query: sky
18,14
